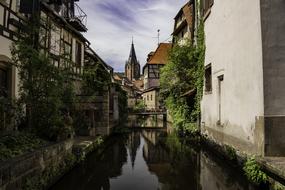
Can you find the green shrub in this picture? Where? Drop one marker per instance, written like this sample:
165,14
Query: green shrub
253,171
231,152
139,106
17,144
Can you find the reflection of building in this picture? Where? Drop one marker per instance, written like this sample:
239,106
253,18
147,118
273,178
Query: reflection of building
151,71
174,168
134,142
244,98
184,23
218,177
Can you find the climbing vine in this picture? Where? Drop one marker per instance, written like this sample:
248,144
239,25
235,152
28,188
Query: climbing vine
95,79
184,72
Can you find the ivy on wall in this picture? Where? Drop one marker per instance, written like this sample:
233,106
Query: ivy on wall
184,72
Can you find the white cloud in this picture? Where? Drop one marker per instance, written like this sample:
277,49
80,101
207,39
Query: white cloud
111,26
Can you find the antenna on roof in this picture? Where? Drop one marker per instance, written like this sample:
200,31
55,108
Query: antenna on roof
158,34
132,39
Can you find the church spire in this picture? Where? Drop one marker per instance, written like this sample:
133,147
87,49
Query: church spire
132,57
132,67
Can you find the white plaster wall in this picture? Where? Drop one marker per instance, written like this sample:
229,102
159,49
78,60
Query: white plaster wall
233,47
5,50
151,103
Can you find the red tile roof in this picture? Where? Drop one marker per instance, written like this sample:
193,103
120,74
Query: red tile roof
161,54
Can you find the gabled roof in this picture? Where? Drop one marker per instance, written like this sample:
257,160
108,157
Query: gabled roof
161,54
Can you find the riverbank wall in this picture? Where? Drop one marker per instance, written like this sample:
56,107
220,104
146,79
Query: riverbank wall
42,168
274,172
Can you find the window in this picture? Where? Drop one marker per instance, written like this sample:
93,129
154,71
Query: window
55,40
151,97
67,50
205,6
147,98
78,53
208,78
3,83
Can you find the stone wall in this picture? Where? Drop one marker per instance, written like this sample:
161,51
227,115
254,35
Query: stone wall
15,173
102,118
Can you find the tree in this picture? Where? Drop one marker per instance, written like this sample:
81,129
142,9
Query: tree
45,90
184,71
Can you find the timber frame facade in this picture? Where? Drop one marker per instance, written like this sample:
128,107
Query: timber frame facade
61,24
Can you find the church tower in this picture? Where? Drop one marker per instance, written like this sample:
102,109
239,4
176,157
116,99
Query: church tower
132,67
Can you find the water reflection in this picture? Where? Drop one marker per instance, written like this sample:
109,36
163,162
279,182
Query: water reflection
147,121
152,160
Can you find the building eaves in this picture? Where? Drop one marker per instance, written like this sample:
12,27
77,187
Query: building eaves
150,89
63,21
96,56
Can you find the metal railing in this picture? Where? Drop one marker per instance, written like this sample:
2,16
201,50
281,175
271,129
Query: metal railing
79,14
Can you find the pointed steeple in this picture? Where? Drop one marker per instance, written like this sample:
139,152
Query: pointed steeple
133,57
132,67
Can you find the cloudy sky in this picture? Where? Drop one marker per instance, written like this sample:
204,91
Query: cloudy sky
112,23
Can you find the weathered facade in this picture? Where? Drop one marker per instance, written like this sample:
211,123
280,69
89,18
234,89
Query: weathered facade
151,71
155,61
101,108
60,36
184,24
151,98
243,101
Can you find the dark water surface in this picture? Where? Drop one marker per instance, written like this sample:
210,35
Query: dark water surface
152,159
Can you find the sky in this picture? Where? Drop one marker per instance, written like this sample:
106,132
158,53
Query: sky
112,24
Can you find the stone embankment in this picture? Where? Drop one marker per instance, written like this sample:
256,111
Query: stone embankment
43,167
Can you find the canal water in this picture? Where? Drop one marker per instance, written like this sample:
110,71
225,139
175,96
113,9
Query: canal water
152,159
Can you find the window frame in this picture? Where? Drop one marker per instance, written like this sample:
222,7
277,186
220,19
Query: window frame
208,76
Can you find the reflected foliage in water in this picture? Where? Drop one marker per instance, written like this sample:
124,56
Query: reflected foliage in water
152,159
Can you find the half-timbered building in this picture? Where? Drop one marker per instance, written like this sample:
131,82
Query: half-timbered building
151,72
156,60
60,36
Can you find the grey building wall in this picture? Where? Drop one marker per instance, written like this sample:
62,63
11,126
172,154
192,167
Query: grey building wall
273,46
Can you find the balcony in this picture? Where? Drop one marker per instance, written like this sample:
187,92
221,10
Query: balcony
77,18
